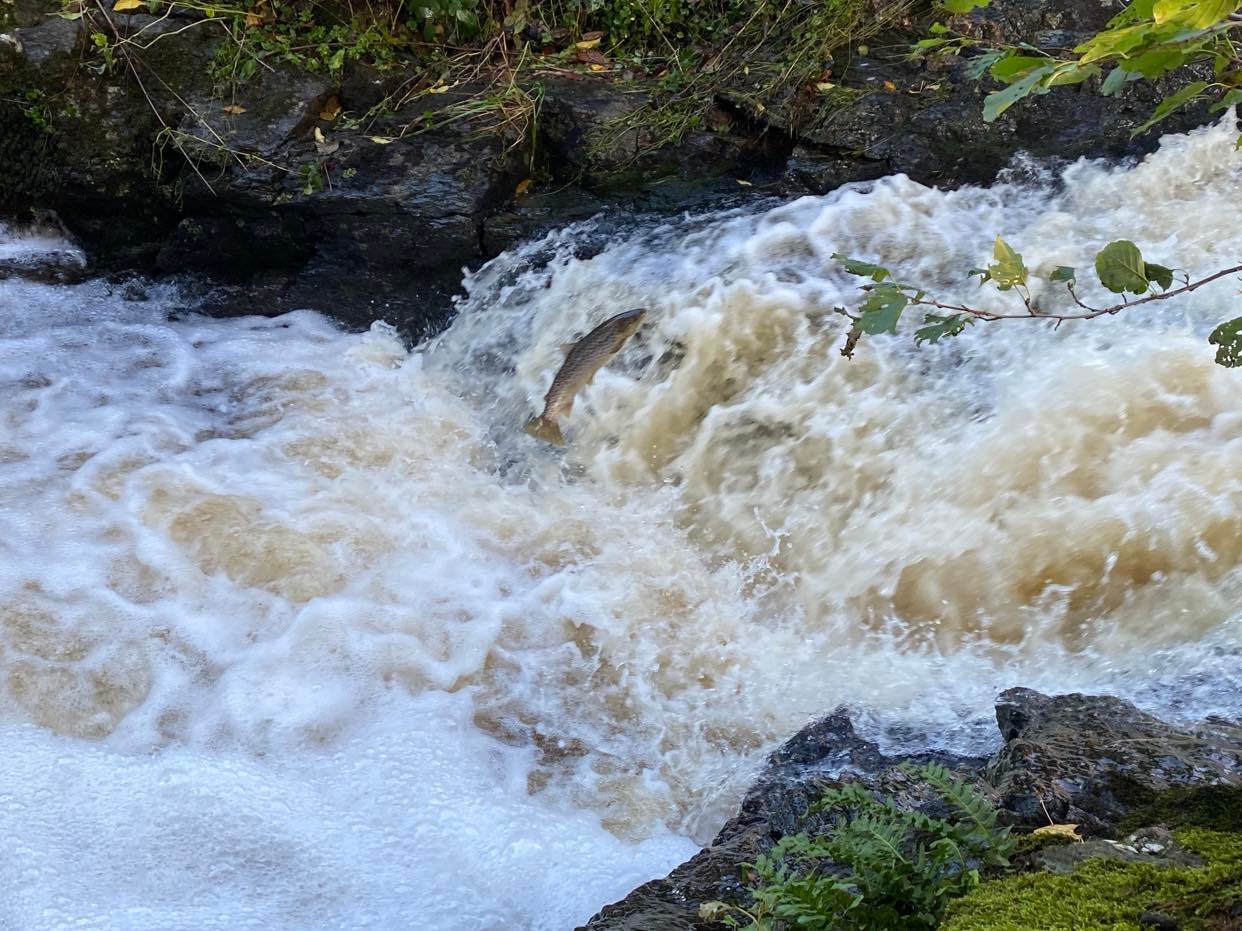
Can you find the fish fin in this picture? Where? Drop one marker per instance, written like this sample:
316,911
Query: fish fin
567,407
566,347
546,429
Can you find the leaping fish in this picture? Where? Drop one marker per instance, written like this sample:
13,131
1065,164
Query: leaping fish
584,359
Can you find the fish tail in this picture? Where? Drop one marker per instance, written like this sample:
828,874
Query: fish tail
546,429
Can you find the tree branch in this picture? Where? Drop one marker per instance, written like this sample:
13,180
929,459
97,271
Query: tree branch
1090,313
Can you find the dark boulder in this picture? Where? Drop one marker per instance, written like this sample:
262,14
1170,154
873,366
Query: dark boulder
1089,760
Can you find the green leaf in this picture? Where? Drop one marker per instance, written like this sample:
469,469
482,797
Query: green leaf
1171,103
863,269
1157,62
997,103
1011,67
978,66
1231,99
1116,81
1072,73
1159,274
936,328
1228,336
1008,270
963,6
882,309
1114,42
1121,268
1063,273
1193,14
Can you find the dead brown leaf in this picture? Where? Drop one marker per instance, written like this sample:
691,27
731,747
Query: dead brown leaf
1059,830
592,56
523,186
234,109
331,109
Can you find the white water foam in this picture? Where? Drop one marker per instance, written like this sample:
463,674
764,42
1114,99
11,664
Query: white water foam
298,631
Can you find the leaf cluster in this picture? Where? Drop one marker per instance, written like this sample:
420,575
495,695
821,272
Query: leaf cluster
1147,39
1119,266
879,867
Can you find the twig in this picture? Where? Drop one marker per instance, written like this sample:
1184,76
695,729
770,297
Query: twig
1091,312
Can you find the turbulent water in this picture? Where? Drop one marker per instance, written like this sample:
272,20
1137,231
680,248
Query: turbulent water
297,630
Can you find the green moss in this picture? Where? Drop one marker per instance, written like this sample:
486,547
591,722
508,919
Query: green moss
1103,894
1216,807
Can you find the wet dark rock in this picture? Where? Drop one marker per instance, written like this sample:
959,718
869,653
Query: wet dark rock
1089,760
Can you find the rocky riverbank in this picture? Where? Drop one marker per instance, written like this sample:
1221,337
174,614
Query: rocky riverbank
1127,780
277,195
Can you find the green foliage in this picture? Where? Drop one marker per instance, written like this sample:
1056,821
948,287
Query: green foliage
882,309
1109,894
1218,807
1147,39
1228,339
446,18
1120,267
879,867
312,177
305,37
1007,271
935,328
43,109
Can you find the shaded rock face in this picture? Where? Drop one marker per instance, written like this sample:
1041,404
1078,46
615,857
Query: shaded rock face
154,170
1089,760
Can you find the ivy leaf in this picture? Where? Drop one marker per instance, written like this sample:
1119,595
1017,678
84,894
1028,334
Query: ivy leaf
1228,336
882,309
996,104
1121,268
863,269
936,328
1159,274
1008,269
1171,103
1063,273
963,6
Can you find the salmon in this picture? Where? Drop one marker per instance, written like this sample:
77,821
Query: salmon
582,361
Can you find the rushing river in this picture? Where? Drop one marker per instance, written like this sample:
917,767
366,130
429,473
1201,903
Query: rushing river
297,630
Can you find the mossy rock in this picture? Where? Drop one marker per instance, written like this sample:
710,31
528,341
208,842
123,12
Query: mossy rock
1107,894
1218,807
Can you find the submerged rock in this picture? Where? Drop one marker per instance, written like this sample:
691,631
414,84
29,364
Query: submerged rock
1089,760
